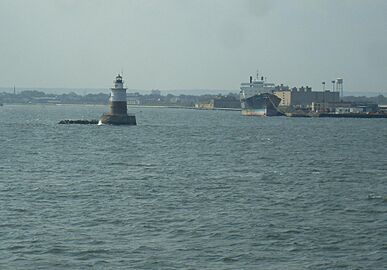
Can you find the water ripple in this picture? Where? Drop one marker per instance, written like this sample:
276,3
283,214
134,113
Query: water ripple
190,190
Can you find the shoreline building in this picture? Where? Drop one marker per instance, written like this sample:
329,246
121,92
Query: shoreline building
304,96
118,114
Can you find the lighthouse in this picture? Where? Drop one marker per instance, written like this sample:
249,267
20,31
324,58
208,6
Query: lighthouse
118,114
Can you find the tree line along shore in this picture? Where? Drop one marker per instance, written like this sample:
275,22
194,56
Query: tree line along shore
155,98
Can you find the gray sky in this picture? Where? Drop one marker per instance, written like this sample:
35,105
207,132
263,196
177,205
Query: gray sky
193,44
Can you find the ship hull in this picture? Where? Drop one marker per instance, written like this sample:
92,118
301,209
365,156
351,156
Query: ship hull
254,112
261,105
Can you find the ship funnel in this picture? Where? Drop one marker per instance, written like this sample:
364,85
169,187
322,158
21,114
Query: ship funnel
251,79
262,78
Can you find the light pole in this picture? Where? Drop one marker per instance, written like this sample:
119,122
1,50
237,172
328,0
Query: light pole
323,83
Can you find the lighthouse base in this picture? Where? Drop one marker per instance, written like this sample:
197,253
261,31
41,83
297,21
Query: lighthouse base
118,119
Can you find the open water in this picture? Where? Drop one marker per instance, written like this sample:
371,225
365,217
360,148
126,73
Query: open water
189,189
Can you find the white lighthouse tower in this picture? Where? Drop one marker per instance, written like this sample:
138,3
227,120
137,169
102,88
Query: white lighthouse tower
118,114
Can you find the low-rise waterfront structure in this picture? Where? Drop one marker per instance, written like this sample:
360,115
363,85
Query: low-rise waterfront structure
304,96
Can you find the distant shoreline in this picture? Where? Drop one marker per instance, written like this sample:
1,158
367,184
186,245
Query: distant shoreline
129,105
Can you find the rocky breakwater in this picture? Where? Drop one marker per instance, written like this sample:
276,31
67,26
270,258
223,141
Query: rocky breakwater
79,122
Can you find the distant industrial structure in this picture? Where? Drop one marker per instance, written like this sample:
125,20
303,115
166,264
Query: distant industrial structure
339,87
304,96
304,101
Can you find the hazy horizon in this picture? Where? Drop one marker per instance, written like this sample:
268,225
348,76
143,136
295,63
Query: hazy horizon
85,91
177,44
